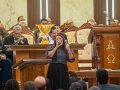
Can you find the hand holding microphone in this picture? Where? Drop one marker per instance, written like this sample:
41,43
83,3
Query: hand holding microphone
58,44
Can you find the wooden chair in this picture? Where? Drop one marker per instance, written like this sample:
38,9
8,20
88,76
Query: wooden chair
70,31
85,60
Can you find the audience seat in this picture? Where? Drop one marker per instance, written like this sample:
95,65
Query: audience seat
71,37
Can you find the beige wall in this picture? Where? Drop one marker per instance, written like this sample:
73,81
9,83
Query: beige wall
10,10
77,10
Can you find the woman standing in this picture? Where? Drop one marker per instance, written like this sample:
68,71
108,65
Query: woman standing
60,53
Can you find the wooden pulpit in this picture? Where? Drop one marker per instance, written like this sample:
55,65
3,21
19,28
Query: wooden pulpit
26,52
106,46
30,69
106,39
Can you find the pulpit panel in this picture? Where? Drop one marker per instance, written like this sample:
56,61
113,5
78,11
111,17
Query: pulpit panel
111,50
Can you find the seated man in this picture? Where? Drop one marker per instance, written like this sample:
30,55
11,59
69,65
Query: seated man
41,82
22,22
24,26
68,26
19,19
15,39
102,79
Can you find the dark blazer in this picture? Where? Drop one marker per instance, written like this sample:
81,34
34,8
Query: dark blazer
6,71
10,41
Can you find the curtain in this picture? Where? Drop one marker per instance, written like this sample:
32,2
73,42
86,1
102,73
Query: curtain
54,11
117,9
99,11
33,12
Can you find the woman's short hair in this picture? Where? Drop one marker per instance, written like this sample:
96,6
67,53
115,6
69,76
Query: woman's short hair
12,84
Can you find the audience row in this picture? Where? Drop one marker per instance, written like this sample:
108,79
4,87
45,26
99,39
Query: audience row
42,83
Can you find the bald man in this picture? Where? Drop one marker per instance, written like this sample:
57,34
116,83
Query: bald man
15,39
40,82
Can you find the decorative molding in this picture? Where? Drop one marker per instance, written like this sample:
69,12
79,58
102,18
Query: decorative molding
85,65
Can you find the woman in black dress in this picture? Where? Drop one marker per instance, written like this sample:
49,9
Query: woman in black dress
60,53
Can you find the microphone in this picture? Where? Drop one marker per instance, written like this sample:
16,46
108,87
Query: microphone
59,43
107,17
20,40
66,41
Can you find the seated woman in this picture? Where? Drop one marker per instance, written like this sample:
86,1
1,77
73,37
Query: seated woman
12,84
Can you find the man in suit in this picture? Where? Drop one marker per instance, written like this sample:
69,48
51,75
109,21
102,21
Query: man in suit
102,78
15,39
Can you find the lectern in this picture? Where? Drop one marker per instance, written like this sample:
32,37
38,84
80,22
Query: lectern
30,68
34,52
107,43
